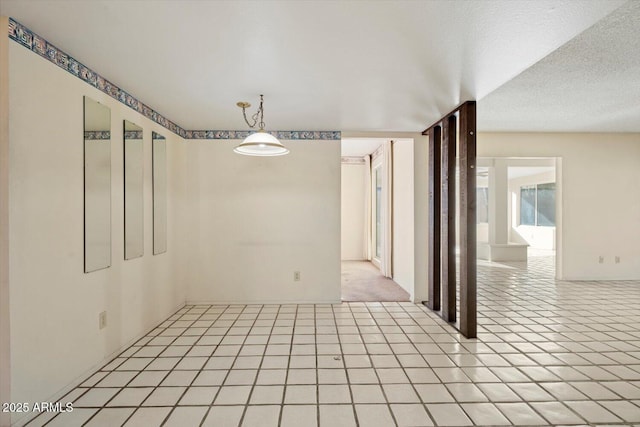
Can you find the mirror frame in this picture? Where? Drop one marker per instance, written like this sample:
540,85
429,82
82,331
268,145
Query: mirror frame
133,238
105,136
159,191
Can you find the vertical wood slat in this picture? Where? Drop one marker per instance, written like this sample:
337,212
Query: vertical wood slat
467,155
448,224
435,140
466,215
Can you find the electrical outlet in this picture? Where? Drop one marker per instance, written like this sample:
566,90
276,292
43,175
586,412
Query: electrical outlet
601,259
617,260
296,276
102,320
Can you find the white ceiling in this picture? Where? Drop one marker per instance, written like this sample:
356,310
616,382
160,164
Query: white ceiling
359,147
322,65
590,84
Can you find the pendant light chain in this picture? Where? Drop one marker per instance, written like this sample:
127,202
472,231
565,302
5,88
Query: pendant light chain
261,111
258,115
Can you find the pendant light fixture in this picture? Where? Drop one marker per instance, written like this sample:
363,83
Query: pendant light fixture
259,143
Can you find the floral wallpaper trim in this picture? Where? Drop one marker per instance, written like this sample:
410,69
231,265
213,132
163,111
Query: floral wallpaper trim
92,135
132,134
37,44
280,134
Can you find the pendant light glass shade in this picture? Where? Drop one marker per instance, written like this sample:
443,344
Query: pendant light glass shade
261,143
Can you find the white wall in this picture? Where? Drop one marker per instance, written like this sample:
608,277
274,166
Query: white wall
353,188
482,228
403,214
421,217
55,338
535,236
599,180
254,221
5,318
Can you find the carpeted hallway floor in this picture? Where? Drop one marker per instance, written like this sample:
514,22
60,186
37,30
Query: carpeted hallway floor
362,281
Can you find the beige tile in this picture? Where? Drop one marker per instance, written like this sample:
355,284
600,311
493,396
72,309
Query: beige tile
464,392
164,396
148,417
267,394
448,414
260,416
398,376
271,376
362,376
334,394
520,414
233,395
434,393
332,376
199,396
368,393
301,394
593,412
241,377
556,413
179,378
302,376
299,415
108,417
400,393
411,415
95,397
485,414
563,391
223,416
337,415
628,411
183,416
130,396
374,415
75,418
531,392
117,379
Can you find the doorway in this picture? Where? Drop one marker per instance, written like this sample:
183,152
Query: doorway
518,214
368,213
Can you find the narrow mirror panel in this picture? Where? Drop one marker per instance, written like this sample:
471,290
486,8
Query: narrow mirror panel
159,148
97,186
133,191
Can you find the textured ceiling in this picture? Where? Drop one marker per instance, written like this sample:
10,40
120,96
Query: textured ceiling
591,84
345,65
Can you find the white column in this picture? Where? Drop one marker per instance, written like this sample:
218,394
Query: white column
498,202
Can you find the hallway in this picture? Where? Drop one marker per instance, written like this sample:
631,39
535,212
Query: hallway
548,352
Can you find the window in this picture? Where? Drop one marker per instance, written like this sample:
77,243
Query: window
378,196
482,205
528,205
538,205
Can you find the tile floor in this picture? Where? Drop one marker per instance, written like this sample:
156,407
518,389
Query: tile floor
548,353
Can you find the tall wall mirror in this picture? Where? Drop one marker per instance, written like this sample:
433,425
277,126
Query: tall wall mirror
133,191
97,186
159,149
